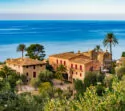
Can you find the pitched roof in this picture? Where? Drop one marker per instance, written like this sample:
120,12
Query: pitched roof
81,60
74,57
66,55
24,61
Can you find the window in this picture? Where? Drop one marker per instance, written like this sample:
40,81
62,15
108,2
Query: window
72,72
61,62
57,61
80,67
71,65
26,66
34,74
64,62
34,67
75,66
76,73
41,65
27,74
80,74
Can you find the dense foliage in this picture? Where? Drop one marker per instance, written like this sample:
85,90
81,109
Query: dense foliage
112,100
46,76
120,71
35,51
103,93
123,54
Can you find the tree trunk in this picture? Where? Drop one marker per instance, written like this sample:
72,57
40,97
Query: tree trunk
111,54
22,54
111,50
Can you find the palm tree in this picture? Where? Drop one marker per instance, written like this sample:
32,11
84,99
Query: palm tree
61,69
110,40
21,48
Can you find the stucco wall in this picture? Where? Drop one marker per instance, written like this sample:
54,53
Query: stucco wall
28,70
71,71
17,68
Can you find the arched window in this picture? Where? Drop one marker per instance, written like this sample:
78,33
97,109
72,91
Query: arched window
57,61
80,74
75,66
80,67
34,74
71,65
64,62
60,61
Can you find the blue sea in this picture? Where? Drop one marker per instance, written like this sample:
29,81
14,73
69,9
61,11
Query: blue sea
59,36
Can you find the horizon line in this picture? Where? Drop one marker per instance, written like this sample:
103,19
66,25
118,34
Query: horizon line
60,16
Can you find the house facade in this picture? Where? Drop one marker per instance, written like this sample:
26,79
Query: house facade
29,67
77,64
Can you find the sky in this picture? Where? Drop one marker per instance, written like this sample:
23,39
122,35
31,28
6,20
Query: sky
62,9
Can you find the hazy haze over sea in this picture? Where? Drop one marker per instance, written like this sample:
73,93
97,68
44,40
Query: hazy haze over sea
59,36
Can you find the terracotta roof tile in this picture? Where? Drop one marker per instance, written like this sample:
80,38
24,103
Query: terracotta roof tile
81,60
24,61
67,55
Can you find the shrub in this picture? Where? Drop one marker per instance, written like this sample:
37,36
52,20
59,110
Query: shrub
45,89
91,78
108,81
46,76
120,71
79,86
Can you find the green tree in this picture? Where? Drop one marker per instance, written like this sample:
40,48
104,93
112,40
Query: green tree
110,40
46,76
108,81
35,83
49,67
123,54
91,78
9,76
36,51
79,86
19,83
45,89
21,48
61,69
5,72
23,78
120,71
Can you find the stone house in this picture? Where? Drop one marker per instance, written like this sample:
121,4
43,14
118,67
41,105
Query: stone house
29,67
